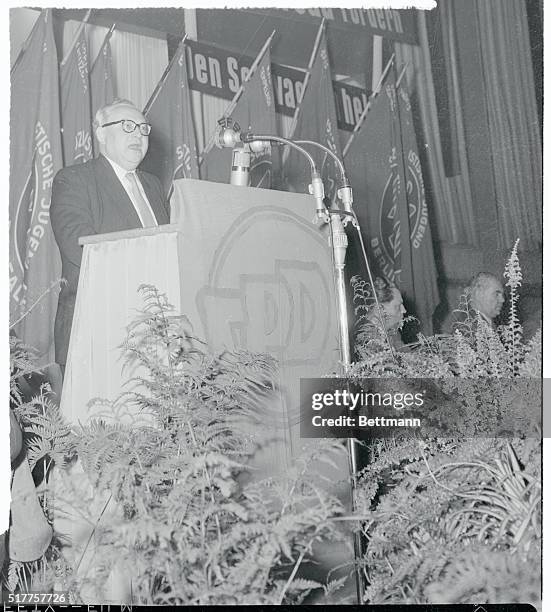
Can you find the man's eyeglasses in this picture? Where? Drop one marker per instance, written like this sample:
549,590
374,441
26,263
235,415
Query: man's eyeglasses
129,126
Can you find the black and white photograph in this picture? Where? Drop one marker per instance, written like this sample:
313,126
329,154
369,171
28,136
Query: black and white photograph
275,305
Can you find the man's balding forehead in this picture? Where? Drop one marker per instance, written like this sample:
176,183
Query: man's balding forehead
122,107
105,113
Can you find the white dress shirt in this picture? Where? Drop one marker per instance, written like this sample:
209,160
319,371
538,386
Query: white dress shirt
121,175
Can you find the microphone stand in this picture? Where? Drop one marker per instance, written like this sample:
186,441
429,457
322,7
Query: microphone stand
339,244
344,194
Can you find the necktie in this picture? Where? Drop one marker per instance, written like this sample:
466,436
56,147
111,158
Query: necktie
144,211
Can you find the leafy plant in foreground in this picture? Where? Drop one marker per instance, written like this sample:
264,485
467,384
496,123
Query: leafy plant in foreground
188,523
457,518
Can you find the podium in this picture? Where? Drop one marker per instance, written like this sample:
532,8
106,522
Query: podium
247,266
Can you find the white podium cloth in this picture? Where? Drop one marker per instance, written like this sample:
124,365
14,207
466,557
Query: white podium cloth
107,301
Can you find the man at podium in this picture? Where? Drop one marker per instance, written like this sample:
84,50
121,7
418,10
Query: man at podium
105,194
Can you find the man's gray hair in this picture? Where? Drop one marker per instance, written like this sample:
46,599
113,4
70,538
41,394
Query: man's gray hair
102,114
481,280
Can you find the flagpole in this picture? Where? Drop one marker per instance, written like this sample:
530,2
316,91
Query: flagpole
368,106
307,77
105,41
253,67
231,106
163,78
399,79
27,42
406,235
75,38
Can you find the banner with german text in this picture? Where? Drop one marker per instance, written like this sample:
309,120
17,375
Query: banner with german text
75,104
172,150
399,25
35,157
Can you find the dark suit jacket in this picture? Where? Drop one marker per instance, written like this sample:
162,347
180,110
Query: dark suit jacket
467,323
89,199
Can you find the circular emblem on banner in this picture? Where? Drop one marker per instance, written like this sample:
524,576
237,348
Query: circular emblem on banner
390,231
415,189
389,226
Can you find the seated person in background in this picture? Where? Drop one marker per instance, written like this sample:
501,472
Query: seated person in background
389,318
485,298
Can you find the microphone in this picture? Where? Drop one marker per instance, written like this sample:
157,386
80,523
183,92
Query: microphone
240,165
316,187
344,192
317,190
228,135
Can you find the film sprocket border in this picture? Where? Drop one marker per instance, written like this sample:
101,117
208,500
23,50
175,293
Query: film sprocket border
467,607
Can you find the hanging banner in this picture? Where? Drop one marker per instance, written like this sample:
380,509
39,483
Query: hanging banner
397,25
75,104
288,84
172,152
253,106
102,83
35,157
315,120
389,198
219,72
102,86
350,102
